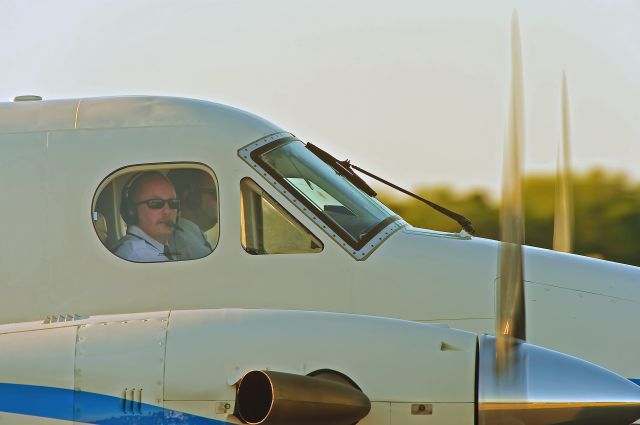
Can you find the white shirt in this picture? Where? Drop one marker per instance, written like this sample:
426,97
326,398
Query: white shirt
137,246
190,243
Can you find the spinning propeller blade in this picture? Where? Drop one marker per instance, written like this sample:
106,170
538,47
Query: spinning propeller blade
510,314
563,217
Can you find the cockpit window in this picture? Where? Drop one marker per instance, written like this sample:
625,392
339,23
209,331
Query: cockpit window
158,212
267,228
347,210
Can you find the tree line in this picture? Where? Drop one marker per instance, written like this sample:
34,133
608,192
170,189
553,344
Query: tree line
606,213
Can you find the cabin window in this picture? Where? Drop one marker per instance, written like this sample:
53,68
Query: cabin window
158,212
267,228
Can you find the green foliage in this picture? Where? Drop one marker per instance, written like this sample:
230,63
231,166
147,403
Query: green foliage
606,213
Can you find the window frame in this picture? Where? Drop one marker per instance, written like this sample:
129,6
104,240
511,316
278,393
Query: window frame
359,250
118,222
278,207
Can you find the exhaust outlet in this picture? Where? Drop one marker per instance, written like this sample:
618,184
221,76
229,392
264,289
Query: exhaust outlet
278,398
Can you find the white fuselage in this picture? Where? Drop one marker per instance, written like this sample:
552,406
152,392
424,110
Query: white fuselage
54,156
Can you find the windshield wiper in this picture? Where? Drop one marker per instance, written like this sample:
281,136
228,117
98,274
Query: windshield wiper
345,168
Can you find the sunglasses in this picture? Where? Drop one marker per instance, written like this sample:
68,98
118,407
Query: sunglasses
156,204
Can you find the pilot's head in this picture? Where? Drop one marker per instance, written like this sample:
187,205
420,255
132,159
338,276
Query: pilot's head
153,205
198,196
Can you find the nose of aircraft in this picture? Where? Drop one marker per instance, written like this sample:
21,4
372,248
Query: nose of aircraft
544,387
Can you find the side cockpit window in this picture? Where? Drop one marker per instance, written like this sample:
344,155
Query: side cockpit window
158,212
267,228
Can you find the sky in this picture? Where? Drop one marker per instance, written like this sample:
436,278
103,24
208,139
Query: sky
413,90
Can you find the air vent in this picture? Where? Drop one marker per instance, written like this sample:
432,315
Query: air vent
27,98
58,318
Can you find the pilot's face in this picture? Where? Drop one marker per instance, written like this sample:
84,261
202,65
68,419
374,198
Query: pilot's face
154,221
208,203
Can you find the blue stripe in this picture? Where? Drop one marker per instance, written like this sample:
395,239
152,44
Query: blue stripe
635,381
90,408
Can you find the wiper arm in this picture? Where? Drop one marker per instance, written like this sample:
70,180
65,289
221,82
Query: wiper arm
459,218
345,168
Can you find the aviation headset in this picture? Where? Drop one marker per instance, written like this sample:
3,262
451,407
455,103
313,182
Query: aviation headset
128,208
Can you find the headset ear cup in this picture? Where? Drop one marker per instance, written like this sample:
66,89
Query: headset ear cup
131,213
128,210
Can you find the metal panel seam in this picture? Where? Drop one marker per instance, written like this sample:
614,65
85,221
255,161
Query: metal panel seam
164,364
75,372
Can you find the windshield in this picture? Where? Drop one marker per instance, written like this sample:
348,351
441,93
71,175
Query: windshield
350,212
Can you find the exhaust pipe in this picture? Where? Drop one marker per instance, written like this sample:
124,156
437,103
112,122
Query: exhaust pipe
278,398
544,387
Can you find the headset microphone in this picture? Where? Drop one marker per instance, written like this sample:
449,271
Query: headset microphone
173,225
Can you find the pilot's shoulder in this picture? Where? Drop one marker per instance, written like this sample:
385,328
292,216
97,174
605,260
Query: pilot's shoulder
136,249
128,242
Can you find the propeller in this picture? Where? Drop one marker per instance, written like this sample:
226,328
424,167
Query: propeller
520,383
563,216
510,314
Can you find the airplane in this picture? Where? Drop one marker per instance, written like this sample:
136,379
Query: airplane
94,338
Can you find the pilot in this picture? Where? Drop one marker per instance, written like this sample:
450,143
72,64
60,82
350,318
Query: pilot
150,208
198,214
